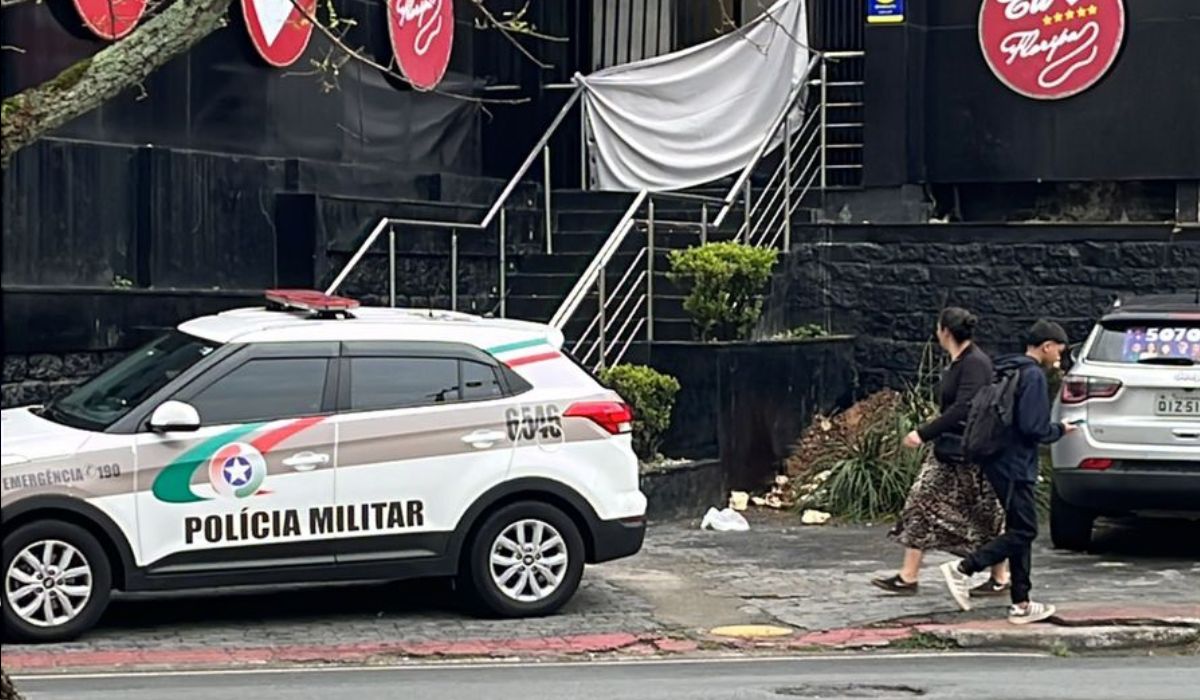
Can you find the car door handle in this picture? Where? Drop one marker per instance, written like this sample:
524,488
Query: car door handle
483,439
306,461
1187,434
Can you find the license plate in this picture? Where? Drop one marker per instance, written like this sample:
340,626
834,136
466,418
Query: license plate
1176,405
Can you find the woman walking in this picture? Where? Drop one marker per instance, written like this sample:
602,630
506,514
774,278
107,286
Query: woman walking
951,507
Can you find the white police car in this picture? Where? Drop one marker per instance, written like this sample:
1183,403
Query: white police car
312,440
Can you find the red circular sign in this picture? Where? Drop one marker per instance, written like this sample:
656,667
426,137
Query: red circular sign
279,30
110,19
422,33
1051,49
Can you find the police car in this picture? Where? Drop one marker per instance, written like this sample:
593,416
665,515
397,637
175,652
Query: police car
314,440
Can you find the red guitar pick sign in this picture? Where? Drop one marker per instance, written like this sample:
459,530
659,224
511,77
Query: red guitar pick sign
110,19
422,34
279,30
1051,49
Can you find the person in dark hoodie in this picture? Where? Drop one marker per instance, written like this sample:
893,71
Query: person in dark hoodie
1013,473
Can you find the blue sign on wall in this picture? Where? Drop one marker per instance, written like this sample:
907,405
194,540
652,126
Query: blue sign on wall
885,11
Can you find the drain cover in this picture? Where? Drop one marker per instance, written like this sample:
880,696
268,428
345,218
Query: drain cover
851,690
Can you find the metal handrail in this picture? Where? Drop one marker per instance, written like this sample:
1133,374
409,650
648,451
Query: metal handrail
768,218
765,145
540,148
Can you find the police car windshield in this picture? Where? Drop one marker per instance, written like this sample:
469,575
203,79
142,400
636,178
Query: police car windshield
115,392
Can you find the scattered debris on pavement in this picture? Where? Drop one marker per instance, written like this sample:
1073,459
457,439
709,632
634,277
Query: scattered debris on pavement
727,520
815,517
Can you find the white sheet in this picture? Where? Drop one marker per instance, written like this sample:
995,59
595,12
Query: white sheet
697,115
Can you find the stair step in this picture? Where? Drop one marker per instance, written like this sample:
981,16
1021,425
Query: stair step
665,330
559,282
590,200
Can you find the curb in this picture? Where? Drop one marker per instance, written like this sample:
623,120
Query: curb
1077,629
1059,638
24,662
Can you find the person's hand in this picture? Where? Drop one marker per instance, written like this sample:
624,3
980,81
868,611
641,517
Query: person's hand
912,440
1069,428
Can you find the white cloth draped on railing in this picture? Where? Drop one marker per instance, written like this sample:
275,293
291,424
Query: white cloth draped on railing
696,115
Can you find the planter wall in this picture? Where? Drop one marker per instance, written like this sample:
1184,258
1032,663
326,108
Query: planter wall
748,402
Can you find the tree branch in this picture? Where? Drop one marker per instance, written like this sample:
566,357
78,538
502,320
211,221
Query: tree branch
487,14
79,89
340,44
10,3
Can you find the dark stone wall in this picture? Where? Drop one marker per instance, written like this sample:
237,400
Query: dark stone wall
55,339
35,379
685,491
886,284
748,402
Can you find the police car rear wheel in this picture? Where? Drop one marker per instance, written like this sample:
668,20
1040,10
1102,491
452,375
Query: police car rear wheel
525,560
57,581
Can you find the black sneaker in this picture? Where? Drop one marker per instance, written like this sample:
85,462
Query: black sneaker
991,588
897,585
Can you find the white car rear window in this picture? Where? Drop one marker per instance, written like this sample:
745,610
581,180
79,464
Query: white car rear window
1133,341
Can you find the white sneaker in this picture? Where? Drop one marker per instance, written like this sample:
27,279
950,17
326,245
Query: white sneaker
1031,612
958,583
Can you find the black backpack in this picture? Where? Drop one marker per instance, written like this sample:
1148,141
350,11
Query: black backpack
989,424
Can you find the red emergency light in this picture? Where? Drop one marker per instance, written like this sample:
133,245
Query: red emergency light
309,300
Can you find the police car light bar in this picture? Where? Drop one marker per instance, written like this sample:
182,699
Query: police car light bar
309,300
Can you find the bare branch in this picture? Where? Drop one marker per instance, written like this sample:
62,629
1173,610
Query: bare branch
10,3
357,55
87,84
496,23
515,23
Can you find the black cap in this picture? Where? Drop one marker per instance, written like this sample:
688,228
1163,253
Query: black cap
1042,331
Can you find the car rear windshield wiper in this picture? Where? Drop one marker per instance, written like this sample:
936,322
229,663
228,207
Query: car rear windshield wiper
1173,361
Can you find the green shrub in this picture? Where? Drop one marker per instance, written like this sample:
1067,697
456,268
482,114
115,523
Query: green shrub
727,280
652,396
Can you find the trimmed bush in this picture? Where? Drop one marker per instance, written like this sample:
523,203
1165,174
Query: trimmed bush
652,396
726,281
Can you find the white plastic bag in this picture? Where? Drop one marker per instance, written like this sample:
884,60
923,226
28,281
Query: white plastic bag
728,520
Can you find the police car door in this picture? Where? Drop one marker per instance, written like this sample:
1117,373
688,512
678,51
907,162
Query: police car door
239,493
421,435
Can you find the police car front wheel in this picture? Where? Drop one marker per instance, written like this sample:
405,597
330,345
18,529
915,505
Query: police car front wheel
525,560
57,581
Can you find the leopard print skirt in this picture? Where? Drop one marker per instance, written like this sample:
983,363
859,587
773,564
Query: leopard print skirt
950,508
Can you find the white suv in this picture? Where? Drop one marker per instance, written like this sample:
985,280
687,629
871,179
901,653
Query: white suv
312,441
1135,392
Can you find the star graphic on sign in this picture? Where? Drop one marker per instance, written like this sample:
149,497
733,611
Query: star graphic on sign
1058,16
1070,14
1047,20
1093,10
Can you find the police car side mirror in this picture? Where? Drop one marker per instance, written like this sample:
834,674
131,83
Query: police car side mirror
175,417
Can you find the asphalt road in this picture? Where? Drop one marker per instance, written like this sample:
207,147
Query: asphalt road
978,677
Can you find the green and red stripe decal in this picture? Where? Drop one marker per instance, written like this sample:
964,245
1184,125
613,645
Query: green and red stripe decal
174,483
525,352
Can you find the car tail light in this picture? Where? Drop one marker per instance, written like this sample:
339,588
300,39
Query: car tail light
1079,389
613,416
1097,464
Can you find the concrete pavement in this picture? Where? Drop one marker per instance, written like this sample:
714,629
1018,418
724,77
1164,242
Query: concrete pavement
1142,588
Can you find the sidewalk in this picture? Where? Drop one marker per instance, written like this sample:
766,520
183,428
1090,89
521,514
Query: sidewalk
810,583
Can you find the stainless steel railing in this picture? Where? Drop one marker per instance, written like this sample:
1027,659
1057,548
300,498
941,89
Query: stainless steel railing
624,310
496,212
800,133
